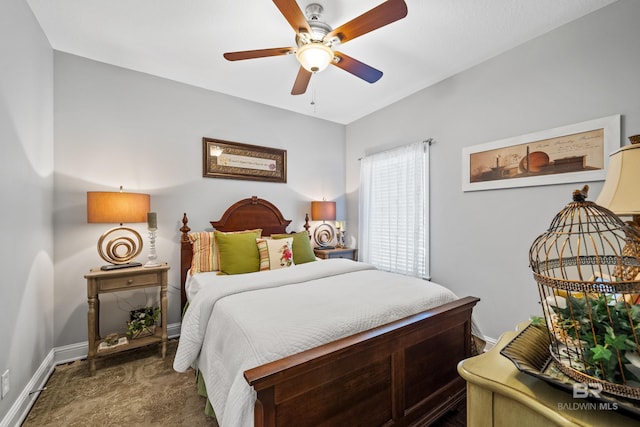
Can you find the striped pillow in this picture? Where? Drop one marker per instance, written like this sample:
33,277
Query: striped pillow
205,252
275,254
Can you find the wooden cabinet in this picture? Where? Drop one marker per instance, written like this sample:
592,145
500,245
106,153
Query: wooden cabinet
126,279
348,253
499,395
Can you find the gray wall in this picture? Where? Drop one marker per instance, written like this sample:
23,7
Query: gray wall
115,127
480,240
26,171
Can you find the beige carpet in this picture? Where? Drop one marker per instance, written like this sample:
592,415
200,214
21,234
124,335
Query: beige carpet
135,388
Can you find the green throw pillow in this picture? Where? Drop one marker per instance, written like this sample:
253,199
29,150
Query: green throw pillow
238,252
302,250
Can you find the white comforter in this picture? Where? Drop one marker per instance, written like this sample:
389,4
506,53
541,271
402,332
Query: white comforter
243,321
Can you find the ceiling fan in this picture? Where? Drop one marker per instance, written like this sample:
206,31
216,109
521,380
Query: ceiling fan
315,40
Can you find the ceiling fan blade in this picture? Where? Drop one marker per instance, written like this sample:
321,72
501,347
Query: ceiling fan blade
293,14
302,81
381,15
357,68
260,53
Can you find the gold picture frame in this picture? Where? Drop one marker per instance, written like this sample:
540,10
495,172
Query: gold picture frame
233,160
573,153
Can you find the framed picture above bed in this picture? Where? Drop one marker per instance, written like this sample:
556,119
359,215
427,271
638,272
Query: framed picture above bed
233,160
572,153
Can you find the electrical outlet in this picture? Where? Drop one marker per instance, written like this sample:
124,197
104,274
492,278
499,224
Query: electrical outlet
5,383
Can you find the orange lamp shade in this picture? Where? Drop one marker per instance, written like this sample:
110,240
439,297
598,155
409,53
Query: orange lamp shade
323,211
117,207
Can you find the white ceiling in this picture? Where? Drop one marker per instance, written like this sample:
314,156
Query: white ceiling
184,40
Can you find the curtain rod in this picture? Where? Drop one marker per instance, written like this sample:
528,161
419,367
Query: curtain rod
429,141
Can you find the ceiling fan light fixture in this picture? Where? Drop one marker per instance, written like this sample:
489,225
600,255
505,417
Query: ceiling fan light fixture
314,57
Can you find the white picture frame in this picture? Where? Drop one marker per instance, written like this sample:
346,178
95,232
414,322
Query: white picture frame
574,153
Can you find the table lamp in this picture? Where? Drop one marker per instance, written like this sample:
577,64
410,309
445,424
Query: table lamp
621,194
621,190
124,243
324,234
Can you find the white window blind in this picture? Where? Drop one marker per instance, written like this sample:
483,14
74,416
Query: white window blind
394,210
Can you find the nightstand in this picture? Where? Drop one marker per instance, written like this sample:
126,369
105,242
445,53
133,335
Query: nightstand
126,279
349,253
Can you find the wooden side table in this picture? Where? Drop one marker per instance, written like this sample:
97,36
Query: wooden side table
498,394
100,282
349,253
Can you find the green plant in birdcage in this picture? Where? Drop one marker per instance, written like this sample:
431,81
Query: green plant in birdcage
607,328
142,321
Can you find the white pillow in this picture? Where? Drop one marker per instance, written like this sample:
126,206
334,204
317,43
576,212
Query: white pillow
275,253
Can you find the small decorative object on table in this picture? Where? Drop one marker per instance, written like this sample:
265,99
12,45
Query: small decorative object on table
142,322
587,268
340,235
111,339
152,225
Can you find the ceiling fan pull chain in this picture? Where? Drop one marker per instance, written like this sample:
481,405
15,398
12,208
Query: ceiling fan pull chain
313,97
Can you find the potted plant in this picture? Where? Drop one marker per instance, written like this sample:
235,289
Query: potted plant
142,322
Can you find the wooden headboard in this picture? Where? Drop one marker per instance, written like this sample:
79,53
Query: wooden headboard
246,214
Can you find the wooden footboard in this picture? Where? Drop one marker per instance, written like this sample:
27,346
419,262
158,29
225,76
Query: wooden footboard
399,374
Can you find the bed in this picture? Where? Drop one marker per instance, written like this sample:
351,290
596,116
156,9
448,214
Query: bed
320,343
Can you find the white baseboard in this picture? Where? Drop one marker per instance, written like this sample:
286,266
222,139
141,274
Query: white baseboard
57,356
490,343
20,408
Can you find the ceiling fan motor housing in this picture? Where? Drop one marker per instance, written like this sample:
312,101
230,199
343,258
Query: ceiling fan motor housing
314,11
319,29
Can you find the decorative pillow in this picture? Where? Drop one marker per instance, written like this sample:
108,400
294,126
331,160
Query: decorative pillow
238,251
302,250
276,253
205,254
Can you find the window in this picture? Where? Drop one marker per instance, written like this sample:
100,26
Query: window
394,210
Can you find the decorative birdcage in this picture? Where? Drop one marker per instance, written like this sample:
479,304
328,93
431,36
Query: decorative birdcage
587,269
